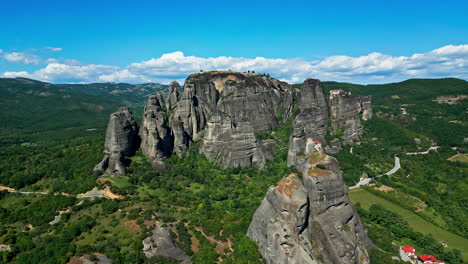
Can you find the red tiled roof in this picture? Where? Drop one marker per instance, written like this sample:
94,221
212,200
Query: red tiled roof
408,249
317,142
427,258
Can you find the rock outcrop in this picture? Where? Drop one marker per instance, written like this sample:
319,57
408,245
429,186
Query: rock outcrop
121,142
232,144
161,243
226,110
344,114
310,124
230,107
310,221
280,225
365,107
173,96
156,139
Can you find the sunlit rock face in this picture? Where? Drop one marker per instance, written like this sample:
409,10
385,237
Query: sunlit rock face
344,114
310,220
121,142
226,109
156,139
311,122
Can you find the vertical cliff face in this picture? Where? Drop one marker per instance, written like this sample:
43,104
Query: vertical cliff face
229,108
173,96
121,141
156,139
334,223
310,220
365,107
232,144
310,124
280,225
344,112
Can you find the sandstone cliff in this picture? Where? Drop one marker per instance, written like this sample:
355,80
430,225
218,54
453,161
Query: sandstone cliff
310,124
344,114
121,141
156,139
230,107
227,109
310,221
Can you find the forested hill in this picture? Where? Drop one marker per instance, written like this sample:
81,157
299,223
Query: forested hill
413,104
47,147
34,110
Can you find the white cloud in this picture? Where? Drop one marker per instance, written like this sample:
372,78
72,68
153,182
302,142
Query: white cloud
1,51
447,61
54,49
22,58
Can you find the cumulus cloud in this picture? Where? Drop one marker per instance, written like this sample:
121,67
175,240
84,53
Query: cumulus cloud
447,61
22,58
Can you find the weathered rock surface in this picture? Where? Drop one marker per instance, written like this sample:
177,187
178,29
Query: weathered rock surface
310,221
230,107
121,141
173,96
156,139
310,125
344,112
365,107
280,224
181,138
161,243
231,144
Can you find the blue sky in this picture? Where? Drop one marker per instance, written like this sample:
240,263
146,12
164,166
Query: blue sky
110,36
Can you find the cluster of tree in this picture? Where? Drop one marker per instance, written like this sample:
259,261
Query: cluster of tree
386,226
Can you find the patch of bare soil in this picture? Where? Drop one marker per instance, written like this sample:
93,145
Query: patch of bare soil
195,244
385,188
132,225
316,172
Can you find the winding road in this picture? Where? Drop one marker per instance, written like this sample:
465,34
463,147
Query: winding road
366,181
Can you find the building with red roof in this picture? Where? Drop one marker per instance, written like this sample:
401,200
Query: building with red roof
428,259
409,250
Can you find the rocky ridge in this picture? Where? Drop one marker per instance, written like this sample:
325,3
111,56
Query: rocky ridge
311,220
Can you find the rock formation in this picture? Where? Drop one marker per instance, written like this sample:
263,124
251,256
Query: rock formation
231,144
310,125
173,97
310,221
230,107
280,224
344,113
365,107
121,141
161,243
156,139
227,109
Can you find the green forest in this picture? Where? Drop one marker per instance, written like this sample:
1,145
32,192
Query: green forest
47,146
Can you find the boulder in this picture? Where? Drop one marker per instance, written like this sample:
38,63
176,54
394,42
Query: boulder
160,243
